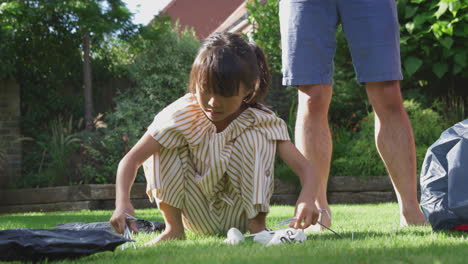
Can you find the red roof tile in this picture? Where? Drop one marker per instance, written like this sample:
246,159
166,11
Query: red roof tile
204,16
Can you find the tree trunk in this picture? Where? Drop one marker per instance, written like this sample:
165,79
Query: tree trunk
88,92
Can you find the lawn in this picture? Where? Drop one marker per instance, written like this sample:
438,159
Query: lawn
377,239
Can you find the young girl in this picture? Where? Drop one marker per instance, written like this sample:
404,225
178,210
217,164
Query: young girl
209,157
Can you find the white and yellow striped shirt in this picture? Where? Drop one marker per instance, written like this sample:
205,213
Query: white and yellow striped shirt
218,180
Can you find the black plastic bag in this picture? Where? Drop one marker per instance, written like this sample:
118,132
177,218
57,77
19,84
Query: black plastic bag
144,226
444,179
40,244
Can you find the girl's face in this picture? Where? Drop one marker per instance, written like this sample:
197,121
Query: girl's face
219,109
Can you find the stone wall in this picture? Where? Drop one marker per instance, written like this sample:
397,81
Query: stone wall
10,147
69,198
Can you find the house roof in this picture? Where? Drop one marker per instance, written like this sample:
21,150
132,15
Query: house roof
236,22
204,16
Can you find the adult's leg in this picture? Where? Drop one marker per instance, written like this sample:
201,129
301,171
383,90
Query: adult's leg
313,137
174,226
308,46
395,143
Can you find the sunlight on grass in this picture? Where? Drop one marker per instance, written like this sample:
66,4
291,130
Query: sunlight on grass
377,239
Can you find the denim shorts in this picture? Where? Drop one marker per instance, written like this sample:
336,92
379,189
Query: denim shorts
308,39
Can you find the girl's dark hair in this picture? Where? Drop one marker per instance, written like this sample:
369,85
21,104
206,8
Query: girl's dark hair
224,61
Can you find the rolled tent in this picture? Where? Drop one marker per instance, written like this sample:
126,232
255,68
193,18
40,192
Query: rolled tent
444,179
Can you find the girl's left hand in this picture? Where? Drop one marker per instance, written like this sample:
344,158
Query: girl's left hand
306,212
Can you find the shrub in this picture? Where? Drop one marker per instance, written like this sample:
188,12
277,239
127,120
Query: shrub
434,38
54,165
283,171
101,152
452,108
266,33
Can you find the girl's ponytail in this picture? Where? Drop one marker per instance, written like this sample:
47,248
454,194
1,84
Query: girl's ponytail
263,81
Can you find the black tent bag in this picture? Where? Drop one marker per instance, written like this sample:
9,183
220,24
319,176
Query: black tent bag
142,225
444,179
40,244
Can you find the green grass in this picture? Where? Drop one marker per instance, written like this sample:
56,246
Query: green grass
377,239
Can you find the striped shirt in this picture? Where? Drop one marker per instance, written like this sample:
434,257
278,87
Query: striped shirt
218,180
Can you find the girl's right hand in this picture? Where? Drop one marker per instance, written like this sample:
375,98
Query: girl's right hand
119,218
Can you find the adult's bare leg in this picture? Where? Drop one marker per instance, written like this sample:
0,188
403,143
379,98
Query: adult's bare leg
313,137
395,143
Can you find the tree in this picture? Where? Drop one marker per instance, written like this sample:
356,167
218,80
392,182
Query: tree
93,20
41,42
